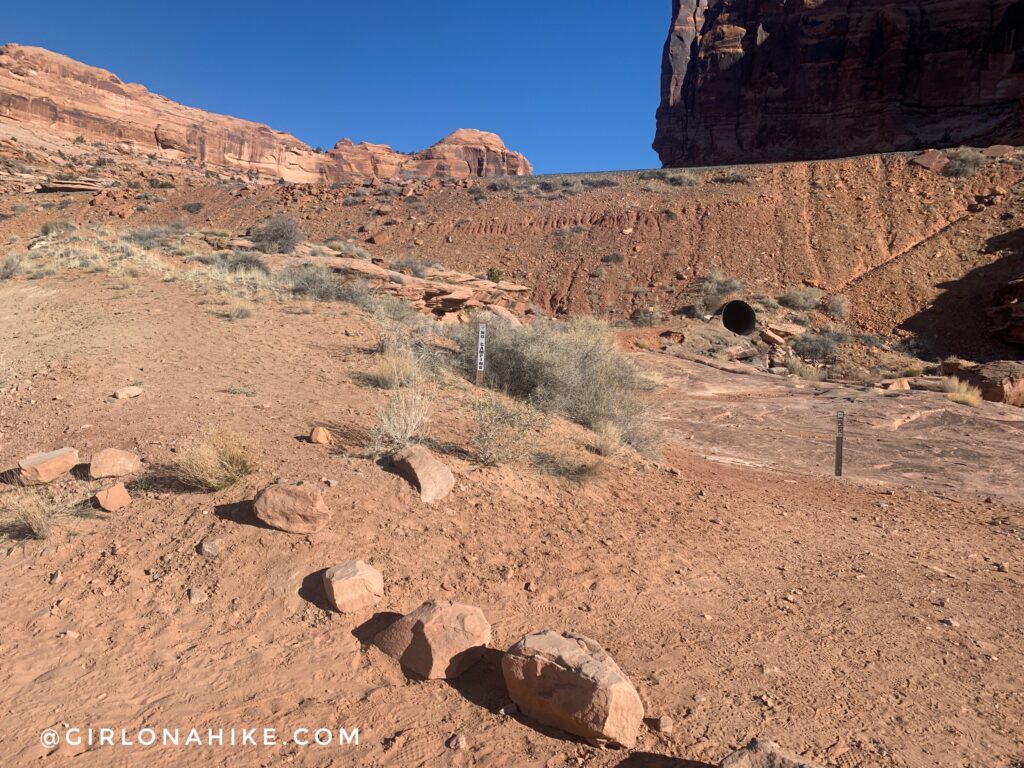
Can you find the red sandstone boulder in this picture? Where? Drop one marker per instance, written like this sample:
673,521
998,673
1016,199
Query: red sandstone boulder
437,640
353,586
111,462
570,682
42,468
114,498
424,470
292,508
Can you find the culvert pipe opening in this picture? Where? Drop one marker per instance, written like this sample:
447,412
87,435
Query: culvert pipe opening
739,317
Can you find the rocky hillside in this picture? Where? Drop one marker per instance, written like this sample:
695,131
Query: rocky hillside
752,82
57,98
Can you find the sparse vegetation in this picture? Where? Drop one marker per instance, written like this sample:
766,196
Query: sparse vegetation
731,177
613,258
410,266
571,368
315,281
396,366
675,178
962,392
28,514
160,184
821,345
495,275
798,367
279,234
10,266
54,228
963,162
714,290
838,306
192,207
238,312
214,464
403,417
501,428
802,298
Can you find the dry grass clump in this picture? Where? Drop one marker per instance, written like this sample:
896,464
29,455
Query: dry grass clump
395,368
803,298
571,368
501,428
960,391
405,415
214,464
607,439
28,514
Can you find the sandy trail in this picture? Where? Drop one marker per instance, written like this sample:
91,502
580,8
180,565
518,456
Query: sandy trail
741,601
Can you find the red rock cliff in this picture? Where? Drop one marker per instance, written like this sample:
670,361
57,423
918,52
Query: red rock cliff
764,80
63,99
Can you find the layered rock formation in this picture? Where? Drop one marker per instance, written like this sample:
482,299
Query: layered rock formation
65,99
778,80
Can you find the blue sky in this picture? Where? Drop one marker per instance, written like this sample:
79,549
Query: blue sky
573,84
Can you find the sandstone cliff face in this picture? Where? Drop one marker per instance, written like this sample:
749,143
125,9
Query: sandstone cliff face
747,81
64,99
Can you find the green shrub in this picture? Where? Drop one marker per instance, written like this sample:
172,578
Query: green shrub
279,234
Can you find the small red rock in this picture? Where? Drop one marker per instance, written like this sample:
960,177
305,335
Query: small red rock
114,498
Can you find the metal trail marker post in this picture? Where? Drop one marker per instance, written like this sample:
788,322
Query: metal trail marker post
840,434
481,350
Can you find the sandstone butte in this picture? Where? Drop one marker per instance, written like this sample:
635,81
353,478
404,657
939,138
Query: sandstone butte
775,81
62,97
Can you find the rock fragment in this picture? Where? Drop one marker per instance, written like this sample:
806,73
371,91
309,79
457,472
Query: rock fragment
764,754
439,639
42,468
112,462
292,508
419,466
353,586
114,498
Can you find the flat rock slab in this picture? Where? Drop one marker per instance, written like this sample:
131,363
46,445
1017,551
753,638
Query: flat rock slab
292,508
353,586
438,640
112,462
127,393
570,682
114,498
42,468
420,467
764,754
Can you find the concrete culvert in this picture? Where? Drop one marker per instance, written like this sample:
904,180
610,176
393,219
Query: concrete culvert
739,317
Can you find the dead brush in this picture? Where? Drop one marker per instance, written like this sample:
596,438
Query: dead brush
962,392
405,415
501,429
29,514
607,439
219,462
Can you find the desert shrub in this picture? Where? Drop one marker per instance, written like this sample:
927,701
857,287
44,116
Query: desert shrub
799,368
192,207
572,368
607,439
802,297
214,464
242,261
963,162
279,234
732,177
838,306
962,392
238,312
495,275
613,258
396,366
160,184
403,417
353,199
410,266
10,267
151,237
500,429
599,183
819,345
349,249
713,290
53,228
675,178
